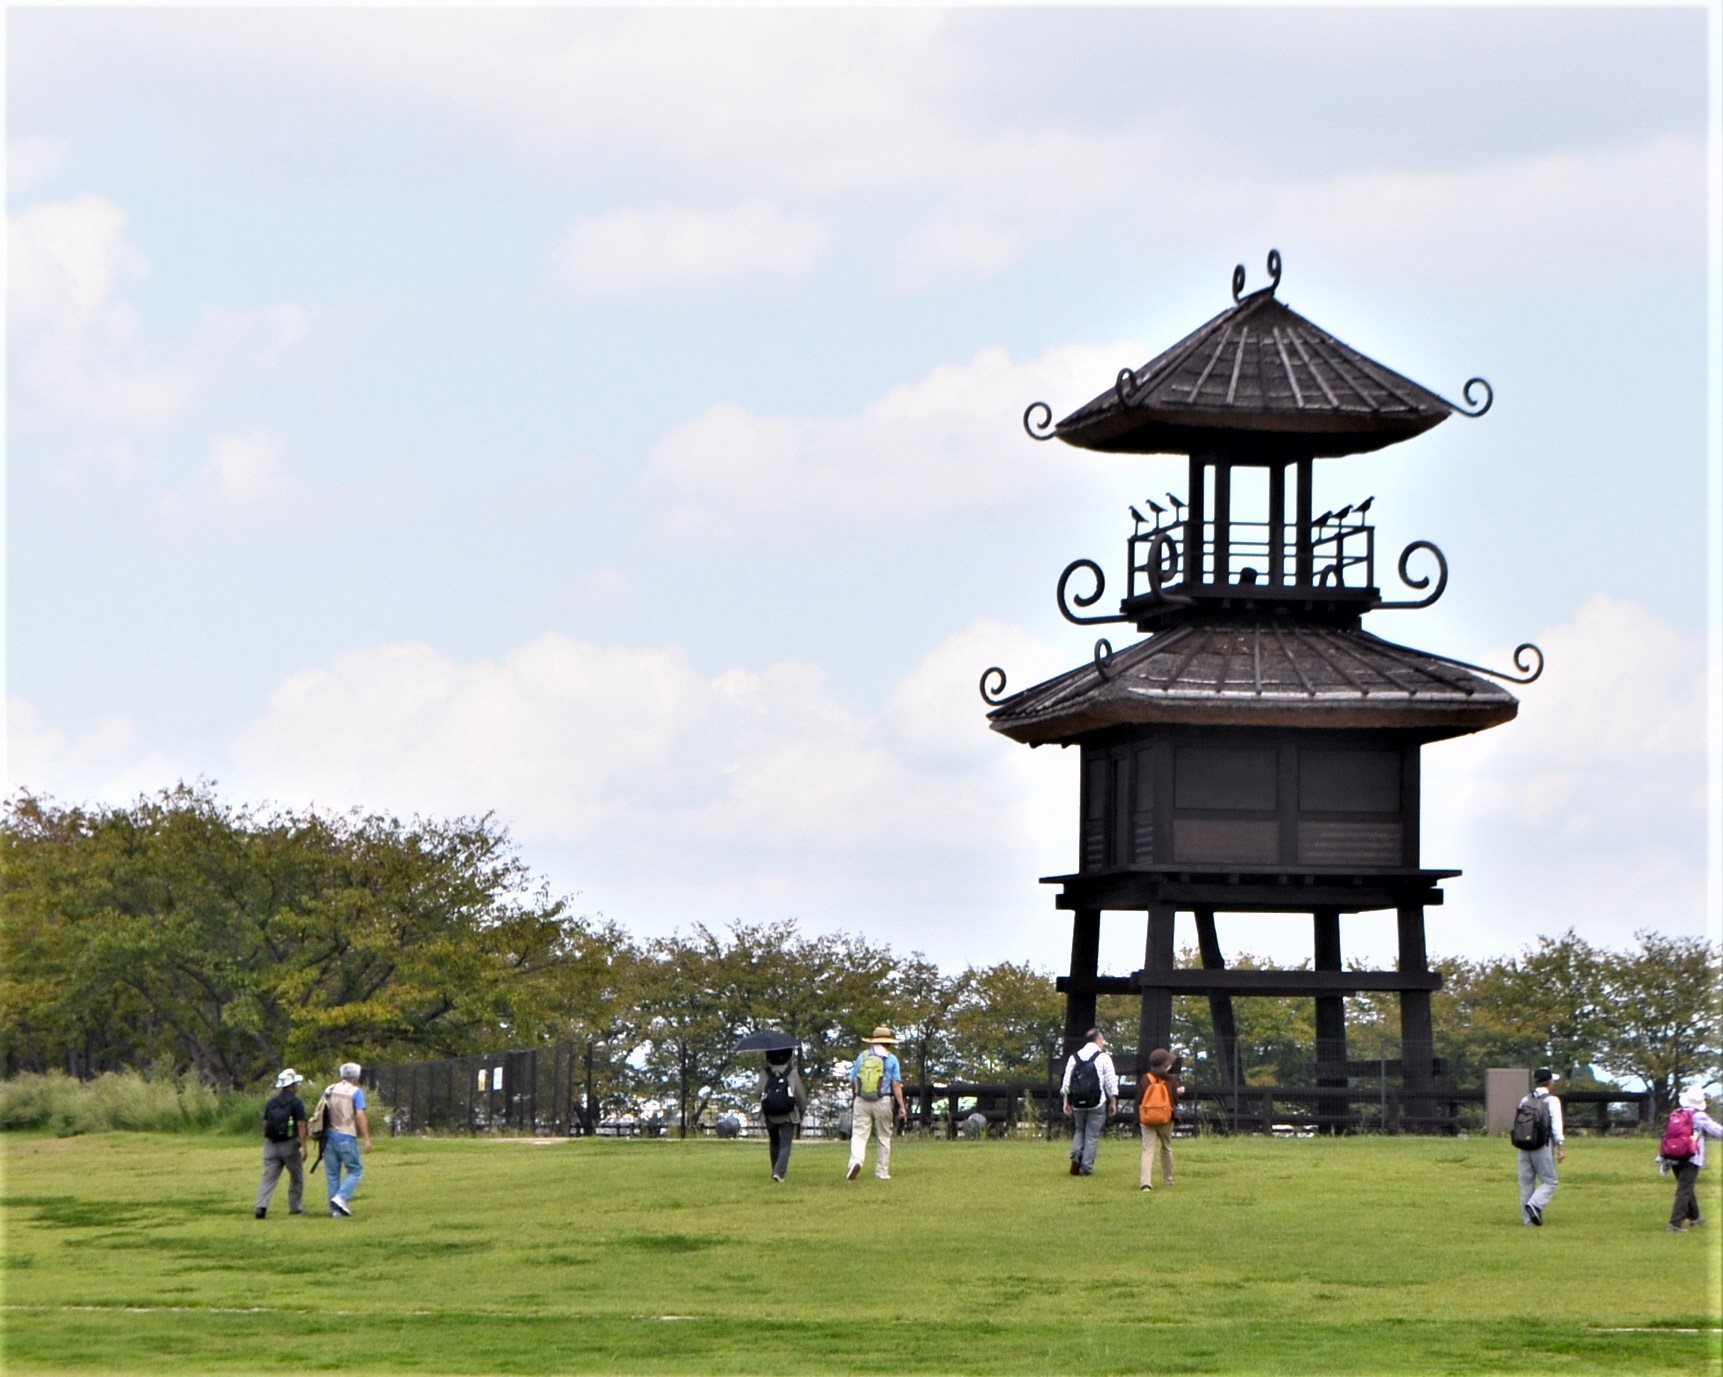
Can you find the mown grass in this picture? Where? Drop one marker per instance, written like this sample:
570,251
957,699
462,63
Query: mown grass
138,1253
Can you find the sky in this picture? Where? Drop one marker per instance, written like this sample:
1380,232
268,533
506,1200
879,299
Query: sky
610,419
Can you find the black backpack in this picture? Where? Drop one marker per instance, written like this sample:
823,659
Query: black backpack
778,1100
1085,1088
1531,1129
278,1119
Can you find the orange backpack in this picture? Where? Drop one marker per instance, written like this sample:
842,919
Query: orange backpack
1157,1103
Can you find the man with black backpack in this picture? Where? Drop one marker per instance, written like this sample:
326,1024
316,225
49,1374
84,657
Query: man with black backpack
783,1097
284,1135
1090,1092
1537,1133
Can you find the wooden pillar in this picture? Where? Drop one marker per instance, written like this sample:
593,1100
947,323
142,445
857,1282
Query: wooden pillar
1417,1030
1155,1026
1277,525
1333,1114
1222,523
1194,527
1304,559
1080,986
1219,1002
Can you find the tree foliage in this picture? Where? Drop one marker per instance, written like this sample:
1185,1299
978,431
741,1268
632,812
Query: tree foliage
228,941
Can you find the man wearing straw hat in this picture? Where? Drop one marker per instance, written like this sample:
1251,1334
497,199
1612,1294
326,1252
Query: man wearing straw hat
876,1081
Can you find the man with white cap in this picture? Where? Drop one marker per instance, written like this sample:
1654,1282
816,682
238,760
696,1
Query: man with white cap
876,1081
1691,1125
284,1144
1538,1134
344,1124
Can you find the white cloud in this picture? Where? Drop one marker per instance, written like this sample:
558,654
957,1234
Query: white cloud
641,250
1589,809
244,470
104,763
29,158
950,442
633,750
80,357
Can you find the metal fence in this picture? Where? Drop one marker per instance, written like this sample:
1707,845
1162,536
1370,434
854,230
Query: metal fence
548,1092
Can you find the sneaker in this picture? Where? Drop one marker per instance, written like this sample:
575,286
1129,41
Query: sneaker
261,1211
776,1177
1671,1228
295,1212
1076,1167
1145,1188
853,1172
1534,1215
882,1175
339,1206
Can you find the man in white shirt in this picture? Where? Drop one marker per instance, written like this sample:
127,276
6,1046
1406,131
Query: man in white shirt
1090,1092
1537,1165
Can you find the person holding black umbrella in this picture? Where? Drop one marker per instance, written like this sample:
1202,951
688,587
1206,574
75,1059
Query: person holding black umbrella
783,1097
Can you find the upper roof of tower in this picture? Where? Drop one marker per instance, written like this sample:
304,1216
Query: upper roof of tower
1259,379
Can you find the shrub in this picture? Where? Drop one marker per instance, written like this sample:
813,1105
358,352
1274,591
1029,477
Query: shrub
153,1102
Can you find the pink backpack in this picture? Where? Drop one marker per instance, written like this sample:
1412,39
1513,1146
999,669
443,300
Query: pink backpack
1678,1138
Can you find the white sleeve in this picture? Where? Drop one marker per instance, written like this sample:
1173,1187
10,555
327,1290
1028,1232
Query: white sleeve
1065,1085
1556,1133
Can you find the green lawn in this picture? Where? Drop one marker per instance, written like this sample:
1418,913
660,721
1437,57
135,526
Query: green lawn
138,1253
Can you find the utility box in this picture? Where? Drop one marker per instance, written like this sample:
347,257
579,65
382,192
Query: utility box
1504,1088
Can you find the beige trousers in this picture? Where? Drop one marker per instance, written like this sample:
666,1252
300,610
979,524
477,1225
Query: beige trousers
872,1117
1161,1135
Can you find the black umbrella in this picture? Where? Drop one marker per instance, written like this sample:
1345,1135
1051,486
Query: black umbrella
766,1040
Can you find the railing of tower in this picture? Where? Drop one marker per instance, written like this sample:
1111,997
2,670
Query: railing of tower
1343,555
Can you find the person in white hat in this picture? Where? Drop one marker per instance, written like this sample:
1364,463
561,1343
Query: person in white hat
284,1136
1688,1127
876,1081
344,1124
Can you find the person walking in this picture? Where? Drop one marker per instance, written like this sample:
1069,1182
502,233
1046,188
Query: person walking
1156,1113
1090,1093
1688,1128
1538,1135
783,1098
876,1083
284,1137
344,1124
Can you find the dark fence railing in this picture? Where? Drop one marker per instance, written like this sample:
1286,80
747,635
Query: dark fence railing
547,1092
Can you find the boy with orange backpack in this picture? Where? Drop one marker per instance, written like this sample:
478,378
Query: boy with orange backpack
1156,1112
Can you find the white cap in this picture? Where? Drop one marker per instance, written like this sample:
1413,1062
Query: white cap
1693,1097
287,1078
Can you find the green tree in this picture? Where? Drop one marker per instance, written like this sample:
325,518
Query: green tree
226,941
1007,1024
1663,1013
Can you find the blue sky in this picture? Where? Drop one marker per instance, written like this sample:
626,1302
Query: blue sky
610,418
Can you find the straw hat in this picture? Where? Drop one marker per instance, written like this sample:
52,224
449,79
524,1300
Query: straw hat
883,1034
287,1078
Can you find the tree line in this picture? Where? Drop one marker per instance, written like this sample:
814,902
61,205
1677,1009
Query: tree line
225,941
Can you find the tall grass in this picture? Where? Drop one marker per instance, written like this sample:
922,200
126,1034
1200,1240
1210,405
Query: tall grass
153,1102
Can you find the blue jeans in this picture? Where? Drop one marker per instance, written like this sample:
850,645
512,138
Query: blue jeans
1086,1135
341,1156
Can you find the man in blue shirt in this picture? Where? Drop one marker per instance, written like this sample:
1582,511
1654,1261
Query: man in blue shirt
344,1123
876,1081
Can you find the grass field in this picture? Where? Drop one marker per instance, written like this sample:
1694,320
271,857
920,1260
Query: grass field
138,1253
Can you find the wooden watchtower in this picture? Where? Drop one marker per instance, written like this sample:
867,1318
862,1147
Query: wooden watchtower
1258,752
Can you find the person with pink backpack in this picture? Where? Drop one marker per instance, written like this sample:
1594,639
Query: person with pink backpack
1683,1152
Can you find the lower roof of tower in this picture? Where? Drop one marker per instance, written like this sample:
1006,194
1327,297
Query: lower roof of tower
1258,674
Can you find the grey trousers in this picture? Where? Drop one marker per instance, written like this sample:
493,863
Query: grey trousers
275,1157
1537,1176
780,1136
1086,1136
